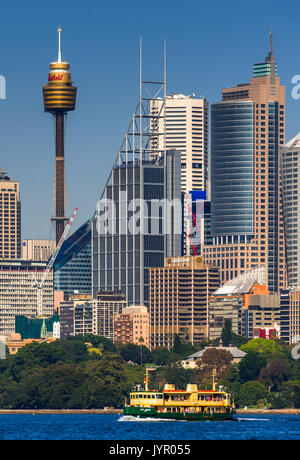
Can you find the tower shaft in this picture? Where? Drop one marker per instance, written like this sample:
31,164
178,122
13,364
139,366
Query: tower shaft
59,217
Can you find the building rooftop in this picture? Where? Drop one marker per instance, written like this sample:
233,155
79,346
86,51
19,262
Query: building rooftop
3,175
243,283
183,96
236,353
295,142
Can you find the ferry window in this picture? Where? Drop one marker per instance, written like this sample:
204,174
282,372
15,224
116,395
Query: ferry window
159,396
145,396
153,396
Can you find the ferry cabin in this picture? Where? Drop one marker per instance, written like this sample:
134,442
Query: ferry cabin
182,401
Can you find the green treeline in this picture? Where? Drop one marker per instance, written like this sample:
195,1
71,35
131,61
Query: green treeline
89,372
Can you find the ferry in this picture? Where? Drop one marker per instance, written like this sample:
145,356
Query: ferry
190,404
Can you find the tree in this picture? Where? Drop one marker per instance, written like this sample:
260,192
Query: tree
177,347
135,353
231,380
48,388
161,356
250,366
264,347
129,352
251,392
274,374
96,341
183,349
226,332
237,340
290,394
141,341
212,358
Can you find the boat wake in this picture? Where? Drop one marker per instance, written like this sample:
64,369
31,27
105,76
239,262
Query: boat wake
131,418
252,419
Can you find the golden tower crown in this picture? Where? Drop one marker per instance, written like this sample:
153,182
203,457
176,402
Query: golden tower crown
59,93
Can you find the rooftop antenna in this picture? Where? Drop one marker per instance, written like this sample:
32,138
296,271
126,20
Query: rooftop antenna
271,39
59,50
165,99
141,99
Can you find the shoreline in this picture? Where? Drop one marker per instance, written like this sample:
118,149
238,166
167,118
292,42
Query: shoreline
59,411
268,411
120,411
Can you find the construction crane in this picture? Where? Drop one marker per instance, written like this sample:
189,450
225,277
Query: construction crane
38,285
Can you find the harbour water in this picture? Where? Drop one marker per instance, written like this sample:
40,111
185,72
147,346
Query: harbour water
116,427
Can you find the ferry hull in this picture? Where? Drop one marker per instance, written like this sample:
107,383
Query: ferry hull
145,412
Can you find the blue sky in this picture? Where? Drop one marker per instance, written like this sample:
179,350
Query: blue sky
210,45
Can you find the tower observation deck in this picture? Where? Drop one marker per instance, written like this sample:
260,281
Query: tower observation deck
59,98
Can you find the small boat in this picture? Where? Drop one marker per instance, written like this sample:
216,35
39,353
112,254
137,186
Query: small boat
190,404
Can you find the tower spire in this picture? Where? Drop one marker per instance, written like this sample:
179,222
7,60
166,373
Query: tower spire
271,58
59,50
271,40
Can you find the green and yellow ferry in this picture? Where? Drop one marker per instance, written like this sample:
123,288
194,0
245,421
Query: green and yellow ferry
171,404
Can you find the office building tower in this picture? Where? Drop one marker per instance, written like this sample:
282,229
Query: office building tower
17,293
138,219
66,315
290,315
290,178
59,98
10,218
83,317
179,300
76,315
187,131
72,266
132,326
122,258
247,130
106,305
38,250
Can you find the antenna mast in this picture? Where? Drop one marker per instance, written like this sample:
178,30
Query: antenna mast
59,50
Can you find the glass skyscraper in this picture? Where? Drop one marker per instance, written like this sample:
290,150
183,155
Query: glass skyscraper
232,171
248,128
144,229
72,267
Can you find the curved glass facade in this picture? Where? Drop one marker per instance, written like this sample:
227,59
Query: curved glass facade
72,267
232,160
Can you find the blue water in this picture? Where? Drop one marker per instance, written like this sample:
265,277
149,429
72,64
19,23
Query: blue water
116,427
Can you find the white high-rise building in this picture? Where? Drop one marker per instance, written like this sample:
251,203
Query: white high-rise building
290,179
18,296
38,250
186,131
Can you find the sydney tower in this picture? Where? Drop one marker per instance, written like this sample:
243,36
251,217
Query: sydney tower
59,97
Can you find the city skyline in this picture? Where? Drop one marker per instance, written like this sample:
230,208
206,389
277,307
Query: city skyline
194,61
